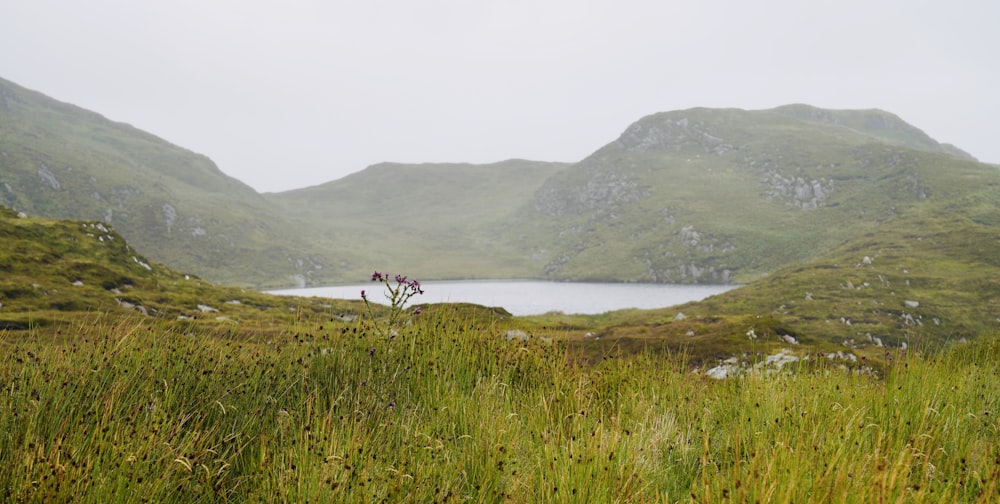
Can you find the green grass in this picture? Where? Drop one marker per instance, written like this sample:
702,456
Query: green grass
126,409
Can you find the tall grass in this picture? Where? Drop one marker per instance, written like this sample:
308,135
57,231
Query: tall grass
449,411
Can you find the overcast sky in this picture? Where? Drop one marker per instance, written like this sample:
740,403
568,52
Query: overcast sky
300,92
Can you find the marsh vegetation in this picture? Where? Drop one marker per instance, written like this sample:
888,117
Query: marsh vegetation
447,410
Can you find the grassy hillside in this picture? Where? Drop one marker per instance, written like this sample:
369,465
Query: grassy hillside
691,196
54,272
694,196
729,195
433,220
119,384
177,207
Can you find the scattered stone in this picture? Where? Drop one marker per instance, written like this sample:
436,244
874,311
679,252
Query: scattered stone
790,339
809,296
910,321
779,359
680,316
911,304
78,283
517,334
866,260
720,372
839,355
207,309
689,333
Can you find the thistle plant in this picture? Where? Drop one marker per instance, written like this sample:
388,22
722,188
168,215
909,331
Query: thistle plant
398,291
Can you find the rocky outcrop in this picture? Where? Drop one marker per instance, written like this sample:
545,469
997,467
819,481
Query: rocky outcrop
798,192
672,133
603,189
45,173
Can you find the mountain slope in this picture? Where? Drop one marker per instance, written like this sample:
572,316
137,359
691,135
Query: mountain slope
58,160
61,270
728,195
432,220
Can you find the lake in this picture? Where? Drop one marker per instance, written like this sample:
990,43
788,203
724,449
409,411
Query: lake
531,297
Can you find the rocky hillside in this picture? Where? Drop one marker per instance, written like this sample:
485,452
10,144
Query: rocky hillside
60,161
729,195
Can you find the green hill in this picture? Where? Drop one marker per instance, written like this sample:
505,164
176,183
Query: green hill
691,196
715,196
433,220
60,161
55,271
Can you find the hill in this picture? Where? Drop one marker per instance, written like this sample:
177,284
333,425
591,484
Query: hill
710,196
690,196
57,271
60,161
434,220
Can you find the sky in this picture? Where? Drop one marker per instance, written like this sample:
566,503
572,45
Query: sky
289,94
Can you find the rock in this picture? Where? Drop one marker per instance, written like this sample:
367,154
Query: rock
779,359
680,316
77,284
911,304
169,216
517,334
48,177
207,309
866,260
720,372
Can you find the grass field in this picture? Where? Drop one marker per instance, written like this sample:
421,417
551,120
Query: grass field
133,409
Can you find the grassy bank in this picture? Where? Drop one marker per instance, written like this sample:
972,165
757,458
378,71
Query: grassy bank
129,410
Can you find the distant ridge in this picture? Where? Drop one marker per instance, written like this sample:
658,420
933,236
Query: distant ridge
689,196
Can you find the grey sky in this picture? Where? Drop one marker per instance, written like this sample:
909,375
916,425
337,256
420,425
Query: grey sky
294,93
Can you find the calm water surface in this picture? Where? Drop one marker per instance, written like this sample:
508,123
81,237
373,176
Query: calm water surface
524,297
